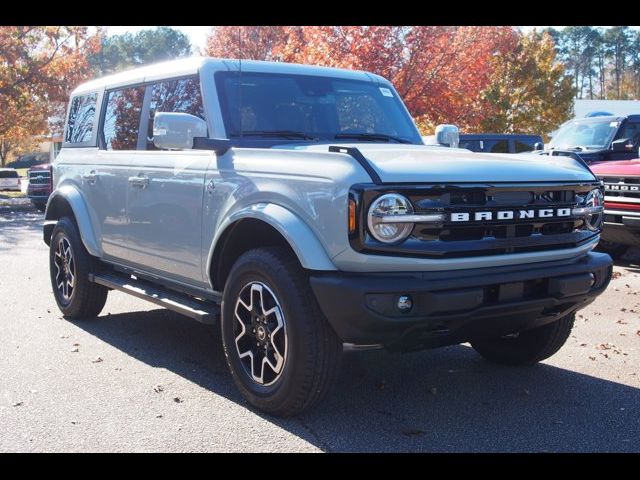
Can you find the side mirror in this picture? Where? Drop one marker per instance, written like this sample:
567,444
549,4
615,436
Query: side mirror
448,135
538,146
622,145
174,131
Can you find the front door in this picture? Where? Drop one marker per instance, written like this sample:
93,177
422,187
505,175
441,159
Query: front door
165,190
164,204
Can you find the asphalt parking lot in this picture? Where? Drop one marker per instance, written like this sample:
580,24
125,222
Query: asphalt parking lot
140,378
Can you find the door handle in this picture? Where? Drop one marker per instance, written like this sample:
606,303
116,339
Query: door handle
91,178
140,181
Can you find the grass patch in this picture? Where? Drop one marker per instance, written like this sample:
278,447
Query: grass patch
8,194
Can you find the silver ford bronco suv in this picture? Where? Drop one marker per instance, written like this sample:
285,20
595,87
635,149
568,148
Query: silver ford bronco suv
298,207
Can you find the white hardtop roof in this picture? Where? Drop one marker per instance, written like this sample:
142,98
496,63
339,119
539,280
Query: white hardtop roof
191,66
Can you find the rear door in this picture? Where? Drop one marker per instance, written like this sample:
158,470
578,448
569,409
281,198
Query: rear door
165,191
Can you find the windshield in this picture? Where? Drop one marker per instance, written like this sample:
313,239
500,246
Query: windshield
283,108
591,133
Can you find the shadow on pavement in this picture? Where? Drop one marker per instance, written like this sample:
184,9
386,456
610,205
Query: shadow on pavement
440,400
16,223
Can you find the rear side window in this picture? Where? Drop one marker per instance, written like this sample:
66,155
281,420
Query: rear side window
473,145
8,174
122,118
81,117
174,96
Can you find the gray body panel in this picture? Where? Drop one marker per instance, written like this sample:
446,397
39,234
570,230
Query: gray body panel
171,228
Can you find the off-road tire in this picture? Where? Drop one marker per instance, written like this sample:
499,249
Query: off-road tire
528,347
87,298
313,353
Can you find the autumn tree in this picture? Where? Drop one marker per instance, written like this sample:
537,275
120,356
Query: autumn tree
529,91
39,65
248,42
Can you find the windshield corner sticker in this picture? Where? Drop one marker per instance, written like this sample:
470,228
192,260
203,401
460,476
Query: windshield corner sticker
386,92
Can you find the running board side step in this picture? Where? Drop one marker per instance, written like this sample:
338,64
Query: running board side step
204,311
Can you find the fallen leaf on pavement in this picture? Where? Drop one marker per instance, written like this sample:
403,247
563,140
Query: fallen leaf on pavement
583,344
158,388
75,349
615,275
17,404
622,322
592,358
159,415
177,399
96,360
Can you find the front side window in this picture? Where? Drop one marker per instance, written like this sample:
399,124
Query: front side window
523,147
496,146
181,96
293,108
122,118
81,117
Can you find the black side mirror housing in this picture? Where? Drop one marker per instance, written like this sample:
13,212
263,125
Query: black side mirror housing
622,145
218,145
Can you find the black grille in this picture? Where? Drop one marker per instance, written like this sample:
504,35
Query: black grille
40,177
622,187
481,237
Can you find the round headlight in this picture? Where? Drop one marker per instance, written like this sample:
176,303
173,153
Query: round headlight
594,198
381,226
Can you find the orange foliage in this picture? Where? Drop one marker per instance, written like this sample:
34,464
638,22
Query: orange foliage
39,65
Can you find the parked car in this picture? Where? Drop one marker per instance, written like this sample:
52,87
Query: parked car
501,143
253,194
598,138
9,179
40,185
621,205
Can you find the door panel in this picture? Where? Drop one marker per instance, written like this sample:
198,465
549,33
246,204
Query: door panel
165,192
104,182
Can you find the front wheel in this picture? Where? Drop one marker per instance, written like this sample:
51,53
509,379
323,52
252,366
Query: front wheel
70,265
281,351
528,347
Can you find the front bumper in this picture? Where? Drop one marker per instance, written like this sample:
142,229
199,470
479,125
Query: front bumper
622,226
459,306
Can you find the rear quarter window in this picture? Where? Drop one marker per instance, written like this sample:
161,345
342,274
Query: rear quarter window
82,113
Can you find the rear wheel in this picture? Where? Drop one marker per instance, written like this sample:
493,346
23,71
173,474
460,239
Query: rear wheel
70,265
528,347
614,249
281,351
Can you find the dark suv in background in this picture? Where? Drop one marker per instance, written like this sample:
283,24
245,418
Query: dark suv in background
598,138
501,143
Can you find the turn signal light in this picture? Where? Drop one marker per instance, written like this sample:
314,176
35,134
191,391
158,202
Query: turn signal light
352,215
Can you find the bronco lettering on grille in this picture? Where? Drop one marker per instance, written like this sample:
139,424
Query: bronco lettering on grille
545,213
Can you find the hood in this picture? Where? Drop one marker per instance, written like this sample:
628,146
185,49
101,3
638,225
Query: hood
40,166
618,168
398,163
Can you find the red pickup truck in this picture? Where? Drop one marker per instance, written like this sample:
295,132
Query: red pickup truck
40,185
621,205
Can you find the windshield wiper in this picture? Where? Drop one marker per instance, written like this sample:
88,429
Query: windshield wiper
373,137
275,133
